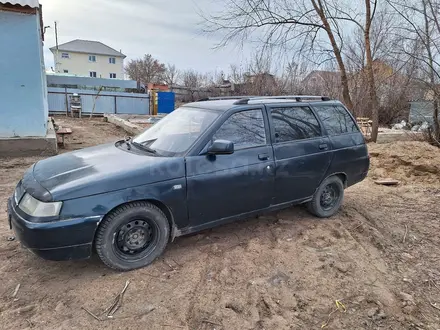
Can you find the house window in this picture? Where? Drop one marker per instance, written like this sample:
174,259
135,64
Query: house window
112,75
112,60
92,58
66,71
65,55
93,74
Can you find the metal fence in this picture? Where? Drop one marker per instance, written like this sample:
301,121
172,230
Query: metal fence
105,102
421,111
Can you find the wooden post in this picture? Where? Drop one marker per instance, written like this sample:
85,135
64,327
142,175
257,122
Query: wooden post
95,99
155,103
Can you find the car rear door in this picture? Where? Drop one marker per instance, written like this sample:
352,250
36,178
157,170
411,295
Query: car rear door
223,186
350,155
302,154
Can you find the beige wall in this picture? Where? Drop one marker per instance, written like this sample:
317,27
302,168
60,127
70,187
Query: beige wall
78,64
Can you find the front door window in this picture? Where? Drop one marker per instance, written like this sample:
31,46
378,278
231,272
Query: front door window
245,129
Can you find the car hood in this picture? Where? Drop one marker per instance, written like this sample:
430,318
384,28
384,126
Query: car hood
102,169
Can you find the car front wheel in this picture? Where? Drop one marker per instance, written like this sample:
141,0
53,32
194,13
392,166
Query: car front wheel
132,236
328,198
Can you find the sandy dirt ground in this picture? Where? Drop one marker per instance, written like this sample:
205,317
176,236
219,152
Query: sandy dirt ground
375,265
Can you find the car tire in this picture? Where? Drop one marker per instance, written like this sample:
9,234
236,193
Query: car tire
328,198
132,236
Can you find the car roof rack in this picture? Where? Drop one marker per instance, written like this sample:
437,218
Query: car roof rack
297,98
217,98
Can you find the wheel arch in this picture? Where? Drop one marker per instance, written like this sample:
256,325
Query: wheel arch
341,175
167,211
162,206
317,211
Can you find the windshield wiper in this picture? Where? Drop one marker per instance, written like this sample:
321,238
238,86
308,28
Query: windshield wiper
143,147
148,142
127,142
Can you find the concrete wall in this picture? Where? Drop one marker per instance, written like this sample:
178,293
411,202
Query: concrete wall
23,102
79,64
398,135
30,146
130,128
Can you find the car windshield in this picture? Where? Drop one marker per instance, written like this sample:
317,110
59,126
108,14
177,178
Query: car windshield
175,133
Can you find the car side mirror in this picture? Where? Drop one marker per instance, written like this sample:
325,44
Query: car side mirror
221,147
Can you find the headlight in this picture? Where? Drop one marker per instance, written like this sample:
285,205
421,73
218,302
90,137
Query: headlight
35,208
16,196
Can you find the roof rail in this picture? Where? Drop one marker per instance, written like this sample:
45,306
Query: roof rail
217,98
297,98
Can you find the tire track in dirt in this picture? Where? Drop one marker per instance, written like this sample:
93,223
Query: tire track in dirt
192,319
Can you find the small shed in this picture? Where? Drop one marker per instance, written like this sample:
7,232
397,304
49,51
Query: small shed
23,88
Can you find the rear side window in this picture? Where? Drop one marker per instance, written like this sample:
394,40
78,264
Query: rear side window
336,120
245,129
296,123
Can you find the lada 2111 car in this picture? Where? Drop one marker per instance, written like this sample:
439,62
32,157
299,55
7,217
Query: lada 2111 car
205,164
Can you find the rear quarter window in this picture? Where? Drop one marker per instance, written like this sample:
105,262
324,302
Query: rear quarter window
336,119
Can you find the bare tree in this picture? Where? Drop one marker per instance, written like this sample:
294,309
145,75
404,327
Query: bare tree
309,26
192,81
394,72
430,13
262,64
171,75
236,74
287,24
421,34
293,74
258,77
146,70
324,82
369,15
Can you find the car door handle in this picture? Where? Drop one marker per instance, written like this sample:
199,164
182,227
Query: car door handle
263,156
323,146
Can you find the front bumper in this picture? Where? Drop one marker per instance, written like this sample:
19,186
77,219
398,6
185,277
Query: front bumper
58,240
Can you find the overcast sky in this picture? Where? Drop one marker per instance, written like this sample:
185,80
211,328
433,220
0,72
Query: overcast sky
169,30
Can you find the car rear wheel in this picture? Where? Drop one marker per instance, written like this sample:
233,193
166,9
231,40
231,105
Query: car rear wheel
132,236
328,198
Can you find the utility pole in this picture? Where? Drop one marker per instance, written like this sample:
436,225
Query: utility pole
56,41
56,34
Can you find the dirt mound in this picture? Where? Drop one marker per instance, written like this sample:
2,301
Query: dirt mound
378,257
408,162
